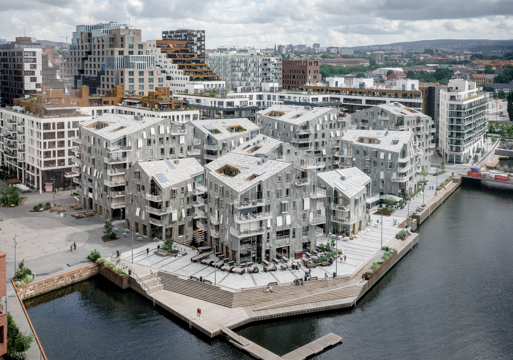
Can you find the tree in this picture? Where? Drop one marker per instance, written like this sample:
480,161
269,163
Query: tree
502,94
10,194
108,231
390,72
17,342
429,51
501,79
489,69
443,73
510,105
442,165
360,75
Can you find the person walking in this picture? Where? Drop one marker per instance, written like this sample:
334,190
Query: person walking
71,248
345,257
326,277
74,245
147,251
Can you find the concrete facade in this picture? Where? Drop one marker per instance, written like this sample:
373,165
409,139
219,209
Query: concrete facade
194,39
314,130
463,121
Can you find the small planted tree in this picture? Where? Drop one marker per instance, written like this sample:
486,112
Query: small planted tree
108,230
17,342
476,157
442,166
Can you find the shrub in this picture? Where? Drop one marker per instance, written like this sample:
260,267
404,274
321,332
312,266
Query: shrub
47,204
22,271
401,235
94,255
40,206
322,258
112,235
17,342
375,266
35,208
168,244
100,261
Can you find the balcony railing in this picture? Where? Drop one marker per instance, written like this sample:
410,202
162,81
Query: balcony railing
162,211
303,181
115,160
114,182
199,189
72,173
319,232
282,237
116,194
248,203
304,140
318,193
210,157
194,152
318,220
198,214
77,180
247,232
152,197
214,233
339,207
199,201
196,142
113,172
214,220
201,226
211,147
119,148
253,217
155,222
340,220
117,206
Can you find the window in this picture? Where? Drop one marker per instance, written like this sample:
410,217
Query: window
130,80
150,73
131,87
130,46
150,80
131,39
140,46
278,194
141,87
121,52
130,73
284,207
141,73
141,80
161,80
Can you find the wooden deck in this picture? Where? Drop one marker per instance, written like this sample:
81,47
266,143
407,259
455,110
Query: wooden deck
313,348
301,353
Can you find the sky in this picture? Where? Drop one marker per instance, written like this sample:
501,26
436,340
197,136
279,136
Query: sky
264,23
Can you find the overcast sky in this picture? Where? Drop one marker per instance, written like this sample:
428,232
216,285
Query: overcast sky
263,23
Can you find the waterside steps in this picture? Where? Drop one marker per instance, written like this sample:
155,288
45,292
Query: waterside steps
301,353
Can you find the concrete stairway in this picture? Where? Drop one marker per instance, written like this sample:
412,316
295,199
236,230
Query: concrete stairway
151,283
196,289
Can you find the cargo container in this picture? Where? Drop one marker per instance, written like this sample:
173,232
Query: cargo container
475,169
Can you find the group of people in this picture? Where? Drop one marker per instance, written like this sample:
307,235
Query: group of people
73,247
295,266
298,282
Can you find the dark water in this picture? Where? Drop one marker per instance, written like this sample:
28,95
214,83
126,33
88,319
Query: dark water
450,298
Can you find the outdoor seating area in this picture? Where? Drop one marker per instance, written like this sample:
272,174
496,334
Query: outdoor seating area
85,213
76,206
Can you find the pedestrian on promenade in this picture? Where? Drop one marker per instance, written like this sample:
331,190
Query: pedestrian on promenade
326,277
71,248
74,245
147,251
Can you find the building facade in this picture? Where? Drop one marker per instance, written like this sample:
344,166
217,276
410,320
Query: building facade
314,130
463,121
20,69
161,197
299,72
194,39
246,72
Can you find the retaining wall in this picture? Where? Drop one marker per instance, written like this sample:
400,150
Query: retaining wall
113,277
57,282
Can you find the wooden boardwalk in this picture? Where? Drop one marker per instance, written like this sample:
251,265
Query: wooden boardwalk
301,353
313,348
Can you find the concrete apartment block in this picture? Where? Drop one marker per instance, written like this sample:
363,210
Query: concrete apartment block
110,144
194,39
347,191
463,121
260,207
314,130
161,199
300,72
390,158
397,117
20,69
218,137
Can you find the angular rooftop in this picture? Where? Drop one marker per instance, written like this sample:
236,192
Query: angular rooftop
241,172
401,110
225,128
379,139
349,181
171,172
293,114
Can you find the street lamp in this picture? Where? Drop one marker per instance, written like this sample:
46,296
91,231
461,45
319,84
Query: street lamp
132,245
15,243
381,230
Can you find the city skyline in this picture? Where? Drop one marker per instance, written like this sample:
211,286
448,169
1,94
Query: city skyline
265,23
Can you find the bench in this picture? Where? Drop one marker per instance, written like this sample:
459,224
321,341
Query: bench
276,260
284,266
238,270
161,253
193,278
273,283
207,282
227,268
269,268
284,258
313,278
325,263
266,262
311,265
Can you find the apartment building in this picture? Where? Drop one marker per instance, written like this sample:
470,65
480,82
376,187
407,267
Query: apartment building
299,72
36,140
218,137
431,104
246,71
390,158
260,207
463,121
20,69
161,196
314,130
347,191
397,117
194,39
378,57
110,144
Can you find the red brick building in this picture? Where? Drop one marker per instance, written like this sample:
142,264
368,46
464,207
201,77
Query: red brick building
3,314
298,73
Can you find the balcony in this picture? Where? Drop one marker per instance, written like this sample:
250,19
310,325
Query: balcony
213,220
339,207
399,179
303,181
194,152
178,131
319,232
317,220
112,149
152,197
301,141
196,142
162,211
72,173
116,160
252,217
282,237
114,183
117,206
155,222
198,214
76,161
199,189
245,233
248,203
76,140
114,172
214,233
116,194
210,157
318,193
201,226
340,220
211,147
199,202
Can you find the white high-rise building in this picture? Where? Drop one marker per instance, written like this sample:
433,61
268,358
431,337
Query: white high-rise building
463,121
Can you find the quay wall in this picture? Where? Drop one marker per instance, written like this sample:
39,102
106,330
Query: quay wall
113,277
504,152
57,282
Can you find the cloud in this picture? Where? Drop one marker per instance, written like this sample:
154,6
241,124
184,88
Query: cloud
263,23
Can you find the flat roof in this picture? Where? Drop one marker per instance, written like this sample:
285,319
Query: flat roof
222,125
295,114
388,140
171,172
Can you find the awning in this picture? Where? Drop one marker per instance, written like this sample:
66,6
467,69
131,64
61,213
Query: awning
372,200
132,101
396,198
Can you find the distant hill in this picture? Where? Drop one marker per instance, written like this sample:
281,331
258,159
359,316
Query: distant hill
60,44
470,45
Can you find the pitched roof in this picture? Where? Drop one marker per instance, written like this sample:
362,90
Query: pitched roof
171,172
349,181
